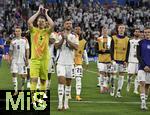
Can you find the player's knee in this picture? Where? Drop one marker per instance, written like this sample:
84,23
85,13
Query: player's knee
142,83
61,80
34,79
68,81
42,81
122,73
102,73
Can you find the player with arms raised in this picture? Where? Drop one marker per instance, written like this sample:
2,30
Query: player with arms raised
39,49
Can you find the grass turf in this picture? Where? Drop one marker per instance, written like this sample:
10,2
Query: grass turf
93,102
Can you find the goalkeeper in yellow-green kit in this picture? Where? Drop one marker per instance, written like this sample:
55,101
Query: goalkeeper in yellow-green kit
39,48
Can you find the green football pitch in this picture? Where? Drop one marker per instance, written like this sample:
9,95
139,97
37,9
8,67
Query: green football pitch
93,102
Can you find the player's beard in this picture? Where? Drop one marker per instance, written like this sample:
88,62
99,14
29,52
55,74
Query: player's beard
41,26
68,28
136,36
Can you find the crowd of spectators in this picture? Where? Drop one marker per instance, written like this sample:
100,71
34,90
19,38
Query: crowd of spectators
89,16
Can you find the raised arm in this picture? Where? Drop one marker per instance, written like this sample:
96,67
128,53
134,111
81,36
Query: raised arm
50,21
59,42
32,18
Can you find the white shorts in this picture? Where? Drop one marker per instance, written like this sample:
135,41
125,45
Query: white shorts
78,71
105,67
18,68
65,70
51,66
119,68
132,68
144,76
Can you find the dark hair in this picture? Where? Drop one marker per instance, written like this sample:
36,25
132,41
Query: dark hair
101,28
67,19
77,25
17,27
117,26
146,28
136,29
42,17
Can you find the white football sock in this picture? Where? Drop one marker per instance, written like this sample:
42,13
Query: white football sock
15,83
142,95
78,85
67,93
120,83
136,84
60,93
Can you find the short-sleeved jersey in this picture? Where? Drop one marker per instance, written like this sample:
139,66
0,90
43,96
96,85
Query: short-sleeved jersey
132,52
104,44
120,48
65,55
79,52
144,47
40,43
18,47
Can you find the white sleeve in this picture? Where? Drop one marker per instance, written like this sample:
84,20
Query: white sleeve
58,39
85,56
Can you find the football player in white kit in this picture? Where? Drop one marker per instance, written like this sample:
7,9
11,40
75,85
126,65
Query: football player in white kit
19,55
133,61
51,68
66,44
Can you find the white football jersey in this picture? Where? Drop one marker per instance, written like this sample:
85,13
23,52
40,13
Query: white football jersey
19,46
133,49
65,55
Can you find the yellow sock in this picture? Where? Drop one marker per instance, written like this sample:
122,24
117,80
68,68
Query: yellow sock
33,89
33,86
43,86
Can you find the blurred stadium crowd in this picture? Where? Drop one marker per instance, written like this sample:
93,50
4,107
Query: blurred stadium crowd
89,14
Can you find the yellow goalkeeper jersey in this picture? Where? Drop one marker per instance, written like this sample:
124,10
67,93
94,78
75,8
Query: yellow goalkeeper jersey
40,43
